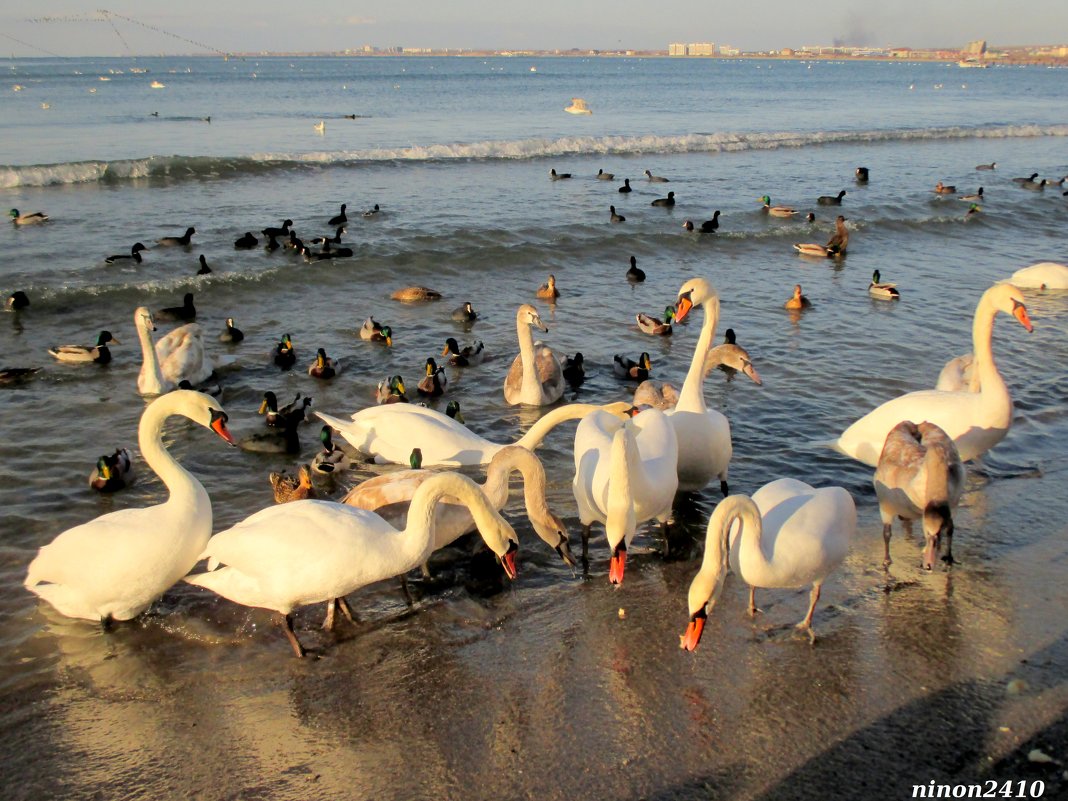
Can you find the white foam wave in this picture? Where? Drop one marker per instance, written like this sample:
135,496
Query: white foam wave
520,149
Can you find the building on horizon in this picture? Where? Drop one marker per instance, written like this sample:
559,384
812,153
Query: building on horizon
692,49
977,49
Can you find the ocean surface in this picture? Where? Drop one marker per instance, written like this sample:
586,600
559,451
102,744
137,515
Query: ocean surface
541,689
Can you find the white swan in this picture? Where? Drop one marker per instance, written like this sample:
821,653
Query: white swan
115,566
535,377
388,433
176,357
920,474
704,435
305,552
1044,275
787,535
624,475
390,496
977,421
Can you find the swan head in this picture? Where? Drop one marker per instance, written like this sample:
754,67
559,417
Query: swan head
143,319
695,292
734,358
1008,299
937,525
528,315
200,408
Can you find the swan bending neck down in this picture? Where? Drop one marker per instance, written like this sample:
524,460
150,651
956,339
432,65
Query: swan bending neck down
388,433
535,377
306,552
390,497
115,566
787,535
920,474
976,421
624,475
704,435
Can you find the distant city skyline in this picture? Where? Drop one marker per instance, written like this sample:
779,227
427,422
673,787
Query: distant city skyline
67,28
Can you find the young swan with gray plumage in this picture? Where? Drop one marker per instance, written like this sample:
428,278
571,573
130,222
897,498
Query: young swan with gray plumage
920,474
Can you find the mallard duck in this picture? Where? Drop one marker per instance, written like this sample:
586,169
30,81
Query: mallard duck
558,176
613,217
434,382
777,211
976,198
836,245
333,240
797,301
973,209
245,242
831,200
943,189
656,179
185,313
31,218
331,459
177,241
17,301
574,372
324,367
605,176
284,354
991,166
453,410
465,313
391,390
371,212
626,186
668,201
654,326
292,488
635,274
468,356
14,375
275,416
415,294
862,175
275,233
98,353
548,290
340,218
134,254
632,370
112,473
232,334
884,291
376,332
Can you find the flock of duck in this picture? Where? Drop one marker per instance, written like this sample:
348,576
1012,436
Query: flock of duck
631,460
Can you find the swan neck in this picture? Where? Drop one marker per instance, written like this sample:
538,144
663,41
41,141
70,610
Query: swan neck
708,582
419,534
547,422
507,461
624,460
691,396
983,348
185,491
151,382
531,388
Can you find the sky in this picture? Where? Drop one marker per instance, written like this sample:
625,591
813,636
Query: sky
70,28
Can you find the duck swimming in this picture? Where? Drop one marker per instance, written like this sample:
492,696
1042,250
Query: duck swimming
558,176
656,179
548,290
655,326
626,186
797,301
338,219
75,354
232,334
245,242
374,331
616,218
880,290
635,274
112,473
31,218
284,355
187,312
831,200
134,254
465,313
777,211
177,241
467,356
668,201
324,367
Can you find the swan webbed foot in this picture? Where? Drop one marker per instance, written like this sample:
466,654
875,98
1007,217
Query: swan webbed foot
806,627
286,622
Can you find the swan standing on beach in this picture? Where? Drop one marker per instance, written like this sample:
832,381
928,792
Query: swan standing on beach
787,535
388,433
390,497
535,377
310,551
920,474
114,567
976,421
179,356
625,474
